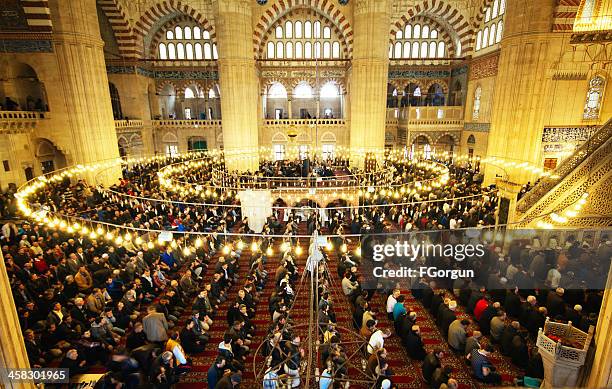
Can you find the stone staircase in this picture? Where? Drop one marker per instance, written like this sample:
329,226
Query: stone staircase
588,169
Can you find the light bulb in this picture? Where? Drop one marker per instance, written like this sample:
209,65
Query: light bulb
226,249
269,251
186,251
298,250
254,246
344,248
358,251
150,245
198,242
240,245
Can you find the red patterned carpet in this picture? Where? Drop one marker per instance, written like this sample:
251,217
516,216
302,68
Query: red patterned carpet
407,373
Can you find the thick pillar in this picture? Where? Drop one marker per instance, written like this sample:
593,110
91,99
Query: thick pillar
12,348
369,78
239,83
522,88
601,367
79,53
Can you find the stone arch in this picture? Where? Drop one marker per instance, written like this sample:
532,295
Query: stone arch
481,12
416,136
442,83
338,81
450,134
445,35
163,83
328,137
167,9
444,13
159,34
288,16
124,34
49,155
170,137
267,82
277,10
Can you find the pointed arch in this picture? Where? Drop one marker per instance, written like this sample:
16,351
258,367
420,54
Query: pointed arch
124,34
440,11
326,8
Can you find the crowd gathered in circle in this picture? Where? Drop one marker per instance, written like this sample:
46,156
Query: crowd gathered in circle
142,311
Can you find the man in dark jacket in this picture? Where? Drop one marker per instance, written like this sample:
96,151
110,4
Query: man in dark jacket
431,363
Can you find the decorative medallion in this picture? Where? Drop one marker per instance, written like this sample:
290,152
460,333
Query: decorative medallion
343,2
262,2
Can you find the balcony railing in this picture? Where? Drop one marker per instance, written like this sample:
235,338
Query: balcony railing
304,122
19,121
186,123
128,123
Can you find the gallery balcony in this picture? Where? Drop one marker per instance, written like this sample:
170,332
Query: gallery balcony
19,122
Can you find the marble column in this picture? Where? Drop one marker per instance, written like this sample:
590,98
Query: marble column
12,349
369,78
601,366
522,88
239,83
79,53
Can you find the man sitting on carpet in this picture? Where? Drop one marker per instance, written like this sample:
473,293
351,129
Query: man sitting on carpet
482,367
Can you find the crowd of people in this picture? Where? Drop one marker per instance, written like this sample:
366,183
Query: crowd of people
143,311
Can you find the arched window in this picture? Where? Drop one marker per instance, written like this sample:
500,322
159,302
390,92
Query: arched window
211,94
416,41
184,41
476,108
441,50
326,32
289,50
326,50
324,41
594,97
491,30
336,49
303,90
423,49
307,50
398,50
298,48
180,51
390,51
495,9
270,50
189,93
308,30
415,50
215,53
279,32
425,32
471,139
277,91
432,50
162,51
207,51
279,49
329,90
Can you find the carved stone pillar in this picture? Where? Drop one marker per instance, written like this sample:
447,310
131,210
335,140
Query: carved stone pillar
12,349
521,88
79,54
369,78
238,82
